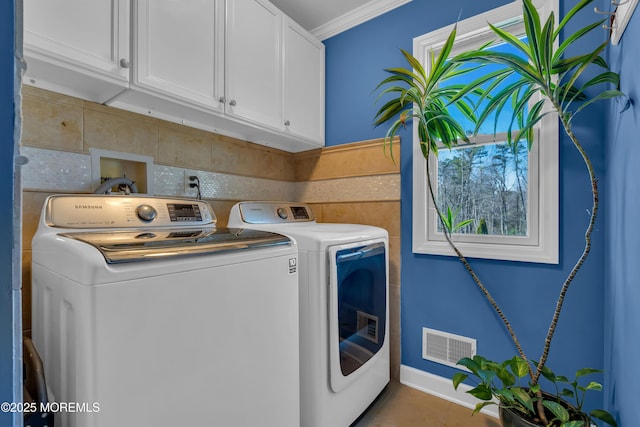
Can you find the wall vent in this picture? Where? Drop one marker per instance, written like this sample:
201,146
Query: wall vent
445,348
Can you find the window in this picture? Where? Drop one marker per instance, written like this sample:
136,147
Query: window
511,195
488,184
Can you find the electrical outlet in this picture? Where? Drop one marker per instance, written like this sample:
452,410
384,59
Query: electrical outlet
188,190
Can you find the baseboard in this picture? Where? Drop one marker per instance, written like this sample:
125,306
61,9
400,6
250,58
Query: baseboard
443,388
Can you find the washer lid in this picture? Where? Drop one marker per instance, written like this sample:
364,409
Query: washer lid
119,246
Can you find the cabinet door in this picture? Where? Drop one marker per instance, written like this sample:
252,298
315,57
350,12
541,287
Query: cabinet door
253,75
67,41
303,84
178,50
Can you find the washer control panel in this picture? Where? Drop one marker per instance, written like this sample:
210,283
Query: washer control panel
275,212
114,211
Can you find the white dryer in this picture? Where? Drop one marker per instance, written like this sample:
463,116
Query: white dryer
147,315
344,311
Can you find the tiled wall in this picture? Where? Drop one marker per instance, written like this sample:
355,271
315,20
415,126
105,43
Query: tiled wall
352,183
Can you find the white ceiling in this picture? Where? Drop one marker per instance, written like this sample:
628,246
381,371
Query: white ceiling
326,18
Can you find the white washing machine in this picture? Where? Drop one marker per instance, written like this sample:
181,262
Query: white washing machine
147,315
344,311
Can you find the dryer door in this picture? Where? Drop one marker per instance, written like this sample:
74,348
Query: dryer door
357,308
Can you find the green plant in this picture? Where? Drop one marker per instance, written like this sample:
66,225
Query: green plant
449,220
502,381
546,82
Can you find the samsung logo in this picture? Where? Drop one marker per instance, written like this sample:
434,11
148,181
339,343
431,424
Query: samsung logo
88,206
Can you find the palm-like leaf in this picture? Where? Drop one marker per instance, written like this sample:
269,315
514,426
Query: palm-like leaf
421,97
544,73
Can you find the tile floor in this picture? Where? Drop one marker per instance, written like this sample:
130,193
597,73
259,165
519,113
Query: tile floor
402,406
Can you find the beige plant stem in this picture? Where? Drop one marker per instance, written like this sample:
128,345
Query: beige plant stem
587,244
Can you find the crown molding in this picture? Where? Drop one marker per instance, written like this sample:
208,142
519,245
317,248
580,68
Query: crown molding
356,17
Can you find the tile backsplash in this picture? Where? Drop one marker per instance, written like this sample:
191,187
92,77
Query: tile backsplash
53,170
60,171
349,189
168,181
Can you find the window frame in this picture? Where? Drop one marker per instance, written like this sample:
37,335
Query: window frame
541,245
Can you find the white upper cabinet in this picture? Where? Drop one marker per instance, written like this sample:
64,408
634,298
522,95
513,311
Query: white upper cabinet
303,83
253,72
178,50
77,47
236,67
274,71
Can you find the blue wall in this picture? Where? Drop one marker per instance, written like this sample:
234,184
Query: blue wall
622,316
436,292
6,199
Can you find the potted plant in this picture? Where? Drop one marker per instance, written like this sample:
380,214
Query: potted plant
539,69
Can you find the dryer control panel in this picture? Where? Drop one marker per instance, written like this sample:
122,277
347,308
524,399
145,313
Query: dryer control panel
114,211
274,212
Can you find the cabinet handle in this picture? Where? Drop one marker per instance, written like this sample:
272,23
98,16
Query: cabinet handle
124,63
222,100
287,123
232,102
